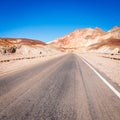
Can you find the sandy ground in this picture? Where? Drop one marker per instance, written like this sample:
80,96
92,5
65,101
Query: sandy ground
15,65
106,65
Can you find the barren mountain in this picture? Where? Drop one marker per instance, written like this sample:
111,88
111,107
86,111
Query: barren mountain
108,43
79,39
83,40
15,45
8,42
24,46
89,39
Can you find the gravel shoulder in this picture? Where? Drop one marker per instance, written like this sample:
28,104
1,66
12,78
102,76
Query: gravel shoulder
105,64
17,65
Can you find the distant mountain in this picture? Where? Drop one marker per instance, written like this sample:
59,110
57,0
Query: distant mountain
79,39
85,40
15,45
114,29
108,43
82,40
23,46
9,42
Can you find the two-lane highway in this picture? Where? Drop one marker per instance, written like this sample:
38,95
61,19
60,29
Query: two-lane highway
64,88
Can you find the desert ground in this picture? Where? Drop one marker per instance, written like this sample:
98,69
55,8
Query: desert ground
105,63
12,63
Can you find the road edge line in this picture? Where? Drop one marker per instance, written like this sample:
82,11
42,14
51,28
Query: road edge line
102,78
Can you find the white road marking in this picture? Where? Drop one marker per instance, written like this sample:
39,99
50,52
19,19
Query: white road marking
102,78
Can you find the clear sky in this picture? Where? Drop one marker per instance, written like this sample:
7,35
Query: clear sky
47,20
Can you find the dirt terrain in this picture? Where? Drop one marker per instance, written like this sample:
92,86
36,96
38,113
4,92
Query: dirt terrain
105,63
19,64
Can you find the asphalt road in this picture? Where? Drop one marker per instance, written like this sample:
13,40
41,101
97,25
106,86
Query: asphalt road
64,88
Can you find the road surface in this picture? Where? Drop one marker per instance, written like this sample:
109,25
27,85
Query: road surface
64,88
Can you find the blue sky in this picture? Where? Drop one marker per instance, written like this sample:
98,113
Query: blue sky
47,20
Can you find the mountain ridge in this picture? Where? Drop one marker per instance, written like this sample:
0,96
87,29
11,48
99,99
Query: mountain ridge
80,40
83,39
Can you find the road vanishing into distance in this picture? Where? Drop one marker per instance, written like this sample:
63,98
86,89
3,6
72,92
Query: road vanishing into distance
63,88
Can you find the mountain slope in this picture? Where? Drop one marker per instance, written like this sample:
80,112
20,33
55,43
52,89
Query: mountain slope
23,46
8,42
78,39
109,43
89,39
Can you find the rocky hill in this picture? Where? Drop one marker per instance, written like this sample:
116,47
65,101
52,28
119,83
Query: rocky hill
22,46
15,45
79,39
82,40
90,39
108,43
